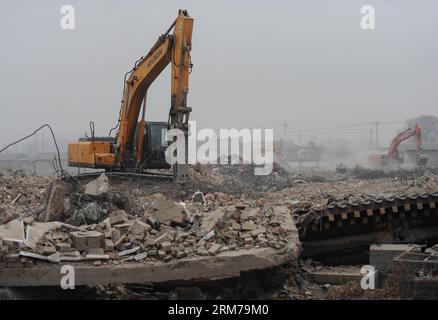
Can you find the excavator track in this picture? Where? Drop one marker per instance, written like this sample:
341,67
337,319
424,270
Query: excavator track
144,175
339,228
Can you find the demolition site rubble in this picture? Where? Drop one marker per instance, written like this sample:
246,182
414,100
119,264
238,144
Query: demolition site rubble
222,216
102,229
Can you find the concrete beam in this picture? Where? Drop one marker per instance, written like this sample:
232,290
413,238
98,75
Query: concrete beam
335,276
224,265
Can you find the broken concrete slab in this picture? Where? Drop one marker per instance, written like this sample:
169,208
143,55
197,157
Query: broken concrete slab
98,187
83,240
52,258
13,231
128,251
211,219
37,230
95,251
97,257
55,202
93,212
70,256
214,248
109,245
118,216
249,226
223,265
250,214
161,238
63,247
258,231
169,213
141,256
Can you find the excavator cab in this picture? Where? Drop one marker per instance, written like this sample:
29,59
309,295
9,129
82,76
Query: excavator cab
422,158
154,145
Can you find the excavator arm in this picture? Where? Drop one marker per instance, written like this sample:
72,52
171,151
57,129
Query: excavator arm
416,131
169,48
392,154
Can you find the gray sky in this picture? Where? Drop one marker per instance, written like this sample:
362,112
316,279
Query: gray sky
256,64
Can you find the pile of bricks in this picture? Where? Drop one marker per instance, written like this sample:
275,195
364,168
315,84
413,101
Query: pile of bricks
167,231
9,257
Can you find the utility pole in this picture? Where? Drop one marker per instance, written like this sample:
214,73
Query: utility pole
35,144
42,143
285,131
377,134
371,137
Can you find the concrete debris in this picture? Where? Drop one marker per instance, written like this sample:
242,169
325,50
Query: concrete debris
225,215
55,202
91,213
249,226
211,220
83,240
141,256
116,217
52,258
36,232
96,257
164,234
214,248
100,189
170,213
128,251
13,231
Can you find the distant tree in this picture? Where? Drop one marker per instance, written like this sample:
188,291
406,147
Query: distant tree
429,127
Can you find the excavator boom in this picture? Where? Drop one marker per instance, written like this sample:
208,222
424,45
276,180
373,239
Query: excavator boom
416,131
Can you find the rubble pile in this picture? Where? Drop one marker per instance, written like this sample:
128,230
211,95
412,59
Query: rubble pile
353,291
311,195
240,178
103,223
360,172
165,230
223,210
20,194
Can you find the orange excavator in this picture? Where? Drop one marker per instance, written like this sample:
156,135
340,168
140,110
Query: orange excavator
393,156
141,145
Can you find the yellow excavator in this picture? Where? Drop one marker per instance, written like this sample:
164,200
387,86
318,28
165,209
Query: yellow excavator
140,145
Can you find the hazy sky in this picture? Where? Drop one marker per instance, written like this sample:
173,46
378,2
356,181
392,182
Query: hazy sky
256,64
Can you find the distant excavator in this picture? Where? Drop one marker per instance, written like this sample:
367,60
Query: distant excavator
393,156
140,145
